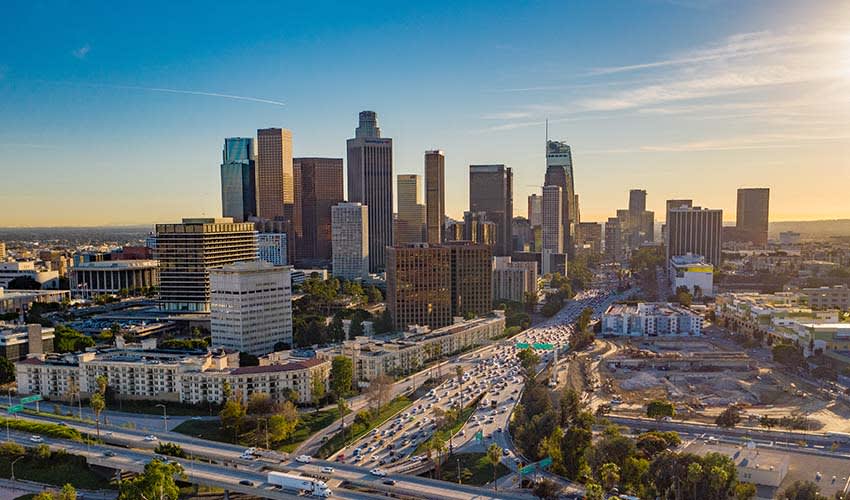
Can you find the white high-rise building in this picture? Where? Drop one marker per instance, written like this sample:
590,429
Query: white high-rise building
553,227
251,307
350,240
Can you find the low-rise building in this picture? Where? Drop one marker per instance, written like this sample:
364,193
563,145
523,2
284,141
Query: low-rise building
19,341
650,319
692,272
27,269
110,277
825,297
18,300
145,373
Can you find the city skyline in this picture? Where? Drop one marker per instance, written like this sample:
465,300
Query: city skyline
739,95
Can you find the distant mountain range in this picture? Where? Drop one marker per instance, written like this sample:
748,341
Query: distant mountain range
812,228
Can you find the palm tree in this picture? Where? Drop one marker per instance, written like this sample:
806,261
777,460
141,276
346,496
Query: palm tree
97,405
438,444
494,456
694,476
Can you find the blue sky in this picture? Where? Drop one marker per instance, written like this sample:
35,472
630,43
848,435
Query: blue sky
105,116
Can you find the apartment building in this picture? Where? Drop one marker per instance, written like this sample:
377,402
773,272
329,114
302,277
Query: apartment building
651,319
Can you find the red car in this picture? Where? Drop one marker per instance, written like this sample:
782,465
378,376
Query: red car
340,457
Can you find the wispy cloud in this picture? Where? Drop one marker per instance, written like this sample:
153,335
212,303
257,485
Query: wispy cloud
176,91
81,52
758,141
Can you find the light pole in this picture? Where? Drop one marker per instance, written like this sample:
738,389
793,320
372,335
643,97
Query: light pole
164,417
13,467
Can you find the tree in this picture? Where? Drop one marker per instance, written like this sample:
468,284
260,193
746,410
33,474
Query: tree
660,408
355,329
695,474
373,295
683,296
317,389
102,384
529,360
157,482
745,491
788,355
529,300
170,449
97,403
68,492
730,417
438,444
384,323
260,403
7,371
281,425
593,491
570,406
342,373
494,456
546,489
802,490
378,392
584,319
232,416
610,475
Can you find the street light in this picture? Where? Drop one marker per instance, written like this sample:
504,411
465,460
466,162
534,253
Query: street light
164,417
13,466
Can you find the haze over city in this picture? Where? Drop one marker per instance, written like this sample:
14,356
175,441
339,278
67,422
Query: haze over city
118,116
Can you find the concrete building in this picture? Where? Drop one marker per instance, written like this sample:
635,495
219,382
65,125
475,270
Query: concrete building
27,269
110,277
187,251
471,279
553,262
614,251
559,172
350,236
751,218
588,238
435,195
477,229
372,358
239,179
692,272
275,179
553,226
789,238
419,285
535,209
370,182
695,230
19,341
318,187
14,301
147,373
825,297
512,280
669,205
272,248
650,319
491,192
251,307
410,223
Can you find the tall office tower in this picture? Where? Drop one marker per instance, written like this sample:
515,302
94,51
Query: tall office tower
678,203
251,307
491,192
553,224
588,238
477,229
695,230
275,183
238,179
472,278
370,182
523,235
637,201
186,253
614,240
577,211
318,184
411,212
350,240
272,248
559,172
751,220
535,210
419,285
435,195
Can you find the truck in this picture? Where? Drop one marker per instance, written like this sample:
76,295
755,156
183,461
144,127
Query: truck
300,484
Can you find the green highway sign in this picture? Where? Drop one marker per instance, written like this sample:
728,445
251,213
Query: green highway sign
547,347
15,408
522,345
528,469
546,462
479,436
30,399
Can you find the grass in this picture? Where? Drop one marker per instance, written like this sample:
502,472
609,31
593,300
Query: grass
449,429
475,469
59,469
42,429
206,429
173,408
359,428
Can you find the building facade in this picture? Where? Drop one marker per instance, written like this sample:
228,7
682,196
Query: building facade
350,236
251,307
187,251
752,216
512,280
370,182
410,224
695,230
419,285
472,278
27,269
588,238
435,195
535,210
275,181
491,192
825,297
650,319
111,277
318,186
272,248
692,272
19,341
559,172
238,179
614,251
553,227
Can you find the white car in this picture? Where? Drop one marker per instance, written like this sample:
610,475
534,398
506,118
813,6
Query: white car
36,439
327,470
304,459
150,437
378,472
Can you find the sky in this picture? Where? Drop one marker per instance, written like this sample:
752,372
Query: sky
115,113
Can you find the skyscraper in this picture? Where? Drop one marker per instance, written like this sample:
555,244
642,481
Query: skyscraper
435,195
370,182
350,230
419,285
559,172
637,201
588,238
535,210
553,225
472,278
678,203
491,192
614,240
751,220
411,212
186,253
695,230
238,179
318,184
275,185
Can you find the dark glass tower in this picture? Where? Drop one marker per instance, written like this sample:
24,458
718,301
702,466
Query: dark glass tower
238,179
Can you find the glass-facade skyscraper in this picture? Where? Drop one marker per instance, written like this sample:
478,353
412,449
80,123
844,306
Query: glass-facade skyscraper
238,179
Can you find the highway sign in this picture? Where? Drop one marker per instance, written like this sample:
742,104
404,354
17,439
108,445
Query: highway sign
479,436
15,408
546,462
542,346
528,469
522,345
30,399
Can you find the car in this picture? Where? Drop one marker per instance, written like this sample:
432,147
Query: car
196,418
327,470
389,482
108,453
151,437
246,482
304,459
36,439
378,472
